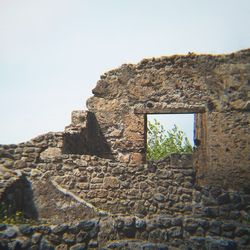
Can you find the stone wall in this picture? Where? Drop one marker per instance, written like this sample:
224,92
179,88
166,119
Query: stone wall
81,185
156,233
216,87
96,170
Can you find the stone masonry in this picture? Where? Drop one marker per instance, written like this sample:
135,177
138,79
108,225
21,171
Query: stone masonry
93,187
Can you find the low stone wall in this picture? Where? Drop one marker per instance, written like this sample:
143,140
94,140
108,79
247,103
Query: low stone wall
159,232
82,185
157,205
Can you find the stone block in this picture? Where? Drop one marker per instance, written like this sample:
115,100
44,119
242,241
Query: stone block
111,182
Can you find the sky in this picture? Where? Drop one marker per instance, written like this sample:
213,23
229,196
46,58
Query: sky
52,52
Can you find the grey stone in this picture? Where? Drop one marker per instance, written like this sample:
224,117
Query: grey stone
140,224
151,246
45,245
159,197
190,225
211,212
175,232
93,244
81,237
176,221
228,227
22,243
60,229
221,245
79,247
155,235
36,237
42,229
215,227
2,226
119,224
86,225
117,245
240,231
26,229
164,222
10,232
223,199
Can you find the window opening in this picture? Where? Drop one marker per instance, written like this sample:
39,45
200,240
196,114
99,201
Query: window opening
169,133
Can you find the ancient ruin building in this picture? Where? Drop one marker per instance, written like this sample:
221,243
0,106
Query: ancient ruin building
97,167
215,88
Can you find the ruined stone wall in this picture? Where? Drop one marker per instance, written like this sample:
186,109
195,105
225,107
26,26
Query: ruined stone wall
96,169
83,186
128,232
216,87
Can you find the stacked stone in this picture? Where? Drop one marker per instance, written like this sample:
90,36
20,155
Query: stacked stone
158,232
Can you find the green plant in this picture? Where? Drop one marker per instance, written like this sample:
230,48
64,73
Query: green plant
161,143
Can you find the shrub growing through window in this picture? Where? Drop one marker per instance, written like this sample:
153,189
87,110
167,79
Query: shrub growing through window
161,143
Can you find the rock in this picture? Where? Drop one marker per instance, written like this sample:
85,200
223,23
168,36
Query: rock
203,223
155,235
81,237
228,227
221,245
50,153
211,212
69,238
223,199
119,224
3,244
61,247
190,225
36,237
20,164
175,232
22,243
240,231
235,198
234,214
159,197
136,158
151,246
2,226
129,222
26,229
140,224
93,244
198,242
79,246
215,228
176,221
164,222
45,245
244,240
118,170
96,180
59,229
86,225
117,245
42,229
111,182
10,232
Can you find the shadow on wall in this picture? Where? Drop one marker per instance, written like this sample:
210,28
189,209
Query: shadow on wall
19,198
89,141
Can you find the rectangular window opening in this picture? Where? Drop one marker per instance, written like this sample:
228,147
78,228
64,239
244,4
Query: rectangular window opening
169,133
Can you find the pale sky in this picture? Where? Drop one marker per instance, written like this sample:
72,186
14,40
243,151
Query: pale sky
52,52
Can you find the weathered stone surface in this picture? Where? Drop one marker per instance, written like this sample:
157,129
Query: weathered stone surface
50,153
111,182
96,167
